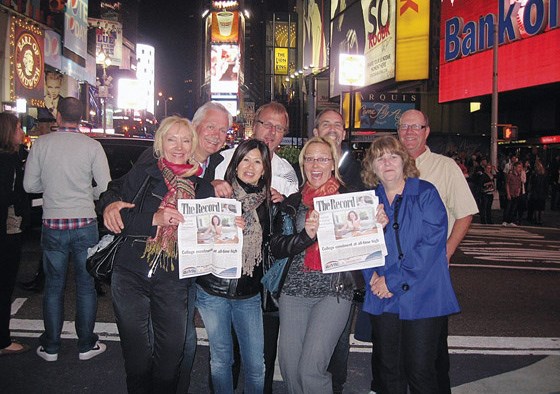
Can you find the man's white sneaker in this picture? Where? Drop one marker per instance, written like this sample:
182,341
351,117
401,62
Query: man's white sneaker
46,356
95,351
513,224
504,224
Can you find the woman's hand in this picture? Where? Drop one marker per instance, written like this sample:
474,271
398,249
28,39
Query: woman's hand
312,224
240,222
379,287
381,216
167,217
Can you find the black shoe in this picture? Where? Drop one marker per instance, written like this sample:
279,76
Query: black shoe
35,285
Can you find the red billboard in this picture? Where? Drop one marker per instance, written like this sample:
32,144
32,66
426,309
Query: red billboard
528,53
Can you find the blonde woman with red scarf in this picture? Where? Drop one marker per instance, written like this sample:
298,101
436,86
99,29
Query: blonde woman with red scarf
149,299
312,313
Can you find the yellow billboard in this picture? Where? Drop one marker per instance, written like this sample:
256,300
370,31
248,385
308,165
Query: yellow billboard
281,61
413,40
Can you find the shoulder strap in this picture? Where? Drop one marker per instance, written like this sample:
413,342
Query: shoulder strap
141,189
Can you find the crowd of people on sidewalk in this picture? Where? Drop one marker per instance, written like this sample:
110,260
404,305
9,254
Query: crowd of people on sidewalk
520,186
425,209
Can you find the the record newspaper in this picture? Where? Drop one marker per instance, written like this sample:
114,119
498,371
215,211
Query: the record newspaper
349,236
209,242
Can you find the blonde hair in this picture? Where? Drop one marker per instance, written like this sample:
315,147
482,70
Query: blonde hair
162,131
334,154
380,146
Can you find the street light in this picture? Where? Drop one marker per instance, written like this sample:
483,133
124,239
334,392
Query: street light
165,100
351,73
103,87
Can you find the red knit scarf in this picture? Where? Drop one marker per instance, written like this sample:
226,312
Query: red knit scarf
312,259
162,249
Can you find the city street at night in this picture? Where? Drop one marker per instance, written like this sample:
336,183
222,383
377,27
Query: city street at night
505,340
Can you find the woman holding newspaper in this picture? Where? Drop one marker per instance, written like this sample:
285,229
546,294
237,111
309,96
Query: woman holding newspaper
223,303
410,296
149,299
313,312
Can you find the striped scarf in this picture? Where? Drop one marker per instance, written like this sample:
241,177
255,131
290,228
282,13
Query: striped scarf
162,249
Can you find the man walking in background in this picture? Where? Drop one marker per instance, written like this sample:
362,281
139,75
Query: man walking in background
64,166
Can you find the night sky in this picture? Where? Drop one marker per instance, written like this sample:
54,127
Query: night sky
171,28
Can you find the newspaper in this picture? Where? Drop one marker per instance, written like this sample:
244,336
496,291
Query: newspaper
209,242
349,236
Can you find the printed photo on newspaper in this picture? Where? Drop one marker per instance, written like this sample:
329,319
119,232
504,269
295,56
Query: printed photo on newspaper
209,242
349,236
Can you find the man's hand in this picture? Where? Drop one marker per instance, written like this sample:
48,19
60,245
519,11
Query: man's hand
112,216
275,196
222,188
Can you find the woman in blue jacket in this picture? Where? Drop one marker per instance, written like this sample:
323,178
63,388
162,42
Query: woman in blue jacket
410,296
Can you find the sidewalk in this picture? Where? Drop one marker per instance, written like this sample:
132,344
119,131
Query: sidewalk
550,218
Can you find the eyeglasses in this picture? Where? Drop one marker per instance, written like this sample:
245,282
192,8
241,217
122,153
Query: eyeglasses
270,127
320,160
415,127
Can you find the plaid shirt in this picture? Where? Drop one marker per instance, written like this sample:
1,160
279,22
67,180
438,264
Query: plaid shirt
68,224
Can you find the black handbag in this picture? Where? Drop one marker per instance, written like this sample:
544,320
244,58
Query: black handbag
101,257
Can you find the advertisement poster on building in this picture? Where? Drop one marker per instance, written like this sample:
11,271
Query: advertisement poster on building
225,26
27,46
315,33
364,28
224,69
108,38
76,27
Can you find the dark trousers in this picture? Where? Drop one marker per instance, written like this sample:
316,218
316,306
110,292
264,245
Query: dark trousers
486,208
338,366
10,248
271,322
189,350
405,353
511,213
151,315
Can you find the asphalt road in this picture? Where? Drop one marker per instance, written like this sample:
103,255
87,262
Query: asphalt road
507,338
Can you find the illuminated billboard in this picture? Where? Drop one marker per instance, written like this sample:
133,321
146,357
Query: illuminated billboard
529,46
224,71
413,40
225,26
367,28
315,33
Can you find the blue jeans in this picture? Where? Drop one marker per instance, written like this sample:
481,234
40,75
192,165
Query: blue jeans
219,314
57,246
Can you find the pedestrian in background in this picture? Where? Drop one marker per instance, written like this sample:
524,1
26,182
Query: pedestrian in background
538,192
64,165
14,209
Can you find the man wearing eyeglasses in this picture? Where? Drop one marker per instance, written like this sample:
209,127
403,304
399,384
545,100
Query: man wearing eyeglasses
447,177
271,123
329,124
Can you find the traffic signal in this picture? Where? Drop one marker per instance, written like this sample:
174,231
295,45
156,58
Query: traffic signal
509,132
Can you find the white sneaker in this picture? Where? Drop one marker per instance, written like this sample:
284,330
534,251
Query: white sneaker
95,351
504,224
513,224
46,356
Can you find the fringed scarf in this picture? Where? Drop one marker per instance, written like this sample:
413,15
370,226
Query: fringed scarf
252,233
312,260
162,249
